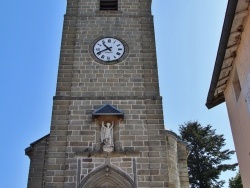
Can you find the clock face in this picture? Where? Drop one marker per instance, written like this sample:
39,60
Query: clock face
109,49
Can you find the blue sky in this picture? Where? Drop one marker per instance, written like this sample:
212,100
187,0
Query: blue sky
187,38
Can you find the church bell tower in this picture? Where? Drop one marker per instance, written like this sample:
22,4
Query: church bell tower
107,128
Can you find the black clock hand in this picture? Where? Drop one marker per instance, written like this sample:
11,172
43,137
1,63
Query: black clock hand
109,48
98,53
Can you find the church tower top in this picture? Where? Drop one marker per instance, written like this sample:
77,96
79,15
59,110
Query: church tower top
128,7
89,68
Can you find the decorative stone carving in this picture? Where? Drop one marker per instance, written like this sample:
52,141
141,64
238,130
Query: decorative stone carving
107,137
108,118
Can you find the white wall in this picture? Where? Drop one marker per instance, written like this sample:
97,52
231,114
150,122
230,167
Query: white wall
239,110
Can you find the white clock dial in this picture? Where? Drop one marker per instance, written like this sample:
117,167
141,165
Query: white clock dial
109,49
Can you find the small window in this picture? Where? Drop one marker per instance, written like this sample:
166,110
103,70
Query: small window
108,4
236,85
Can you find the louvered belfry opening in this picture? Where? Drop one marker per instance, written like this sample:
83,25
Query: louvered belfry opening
108,4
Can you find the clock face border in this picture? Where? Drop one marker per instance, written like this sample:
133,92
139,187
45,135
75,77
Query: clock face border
92,54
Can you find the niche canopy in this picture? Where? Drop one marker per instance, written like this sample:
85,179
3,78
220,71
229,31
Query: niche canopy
107,112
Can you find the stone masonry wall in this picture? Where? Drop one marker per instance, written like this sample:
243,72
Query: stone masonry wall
183,152
141,130
37,154
172,163
135,76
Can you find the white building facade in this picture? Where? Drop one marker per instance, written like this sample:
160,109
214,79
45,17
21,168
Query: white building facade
231,80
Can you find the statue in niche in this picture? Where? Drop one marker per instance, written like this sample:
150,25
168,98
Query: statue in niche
107,136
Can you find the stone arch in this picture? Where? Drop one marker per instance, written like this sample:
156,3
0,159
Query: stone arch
107,176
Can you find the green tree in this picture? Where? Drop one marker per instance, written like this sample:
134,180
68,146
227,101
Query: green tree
235,182
206,155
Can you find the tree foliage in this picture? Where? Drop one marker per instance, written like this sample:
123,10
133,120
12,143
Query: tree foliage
206,155
235,182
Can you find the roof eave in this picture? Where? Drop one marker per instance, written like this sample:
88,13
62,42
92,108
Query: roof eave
29,149
213,101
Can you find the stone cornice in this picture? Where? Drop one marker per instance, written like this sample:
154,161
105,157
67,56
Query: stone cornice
109,98
108,154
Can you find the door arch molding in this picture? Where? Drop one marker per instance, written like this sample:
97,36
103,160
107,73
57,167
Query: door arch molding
107,175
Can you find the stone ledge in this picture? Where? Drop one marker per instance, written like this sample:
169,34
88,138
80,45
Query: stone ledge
108,14
108,98
108,154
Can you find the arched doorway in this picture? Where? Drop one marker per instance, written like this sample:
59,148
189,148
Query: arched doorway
107,177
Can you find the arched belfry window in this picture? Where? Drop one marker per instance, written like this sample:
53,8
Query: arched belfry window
108,4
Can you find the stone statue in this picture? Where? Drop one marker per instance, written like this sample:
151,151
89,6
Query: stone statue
107,135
